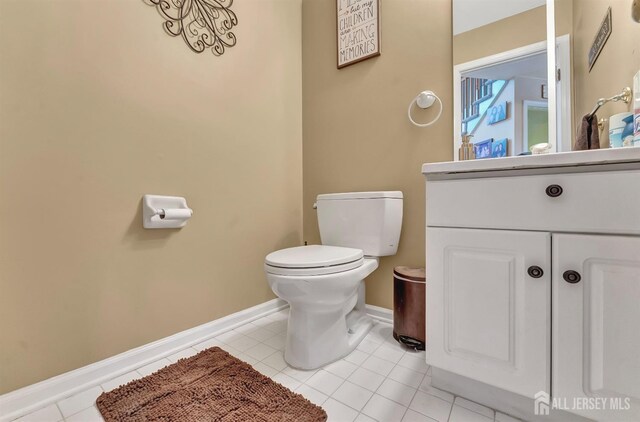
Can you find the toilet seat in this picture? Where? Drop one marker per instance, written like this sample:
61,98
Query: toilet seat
313,260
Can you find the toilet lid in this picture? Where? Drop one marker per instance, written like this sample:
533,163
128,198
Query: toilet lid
313,256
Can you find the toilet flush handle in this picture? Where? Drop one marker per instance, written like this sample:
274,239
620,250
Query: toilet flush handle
315,205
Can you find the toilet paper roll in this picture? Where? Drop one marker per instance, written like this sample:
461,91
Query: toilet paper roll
176,214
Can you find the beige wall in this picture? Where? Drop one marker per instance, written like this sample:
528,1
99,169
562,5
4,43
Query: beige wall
506,34
98,106
617,63
356,133
515,31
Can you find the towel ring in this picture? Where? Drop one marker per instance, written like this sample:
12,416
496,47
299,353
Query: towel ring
424,100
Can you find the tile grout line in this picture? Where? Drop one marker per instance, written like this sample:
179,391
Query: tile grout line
470,410
414,393
345,380
330,396
360,366
59,410
378,388
407,408
451,409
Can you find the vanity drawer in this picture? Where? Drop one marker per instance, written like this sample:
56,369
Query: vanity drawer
607,202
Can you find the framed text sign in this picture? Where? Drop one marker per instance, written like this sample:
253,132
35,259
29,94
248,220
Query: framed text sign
600,39
358,28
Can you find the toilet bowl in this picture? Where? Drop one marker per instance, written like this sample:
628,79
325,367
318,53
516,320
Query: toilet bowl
327,317
324,284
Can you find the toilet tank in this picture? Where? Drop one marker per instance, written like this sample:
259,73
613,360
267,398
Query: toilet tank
370,221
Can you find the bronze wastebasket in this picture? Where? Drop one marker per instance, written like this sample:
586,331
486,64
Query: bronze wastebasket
409,297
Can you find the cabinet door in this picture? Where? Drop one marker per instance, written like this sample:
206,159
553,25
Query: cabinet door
596,323
487,318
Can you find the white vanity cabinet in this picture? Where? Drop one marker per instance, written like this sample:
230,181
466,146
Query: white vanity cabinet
533,281
487,317
596,320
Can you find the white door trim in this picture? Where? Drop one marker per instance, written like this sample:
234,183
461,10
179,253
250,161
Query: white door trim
552,68
564,119
525,119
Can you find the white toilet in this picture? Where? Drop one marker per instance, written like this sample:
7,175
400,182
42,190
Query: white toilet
324,284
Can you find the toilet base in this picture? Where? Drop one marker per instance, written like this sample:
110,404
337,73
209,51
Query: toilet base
338,339
336,334
327,314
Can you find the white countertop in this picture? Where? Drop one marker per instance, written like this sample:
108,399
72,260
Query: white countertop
561,159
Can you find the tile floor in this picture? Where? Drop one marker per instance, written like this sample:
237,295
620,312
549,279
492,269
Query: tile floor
379,381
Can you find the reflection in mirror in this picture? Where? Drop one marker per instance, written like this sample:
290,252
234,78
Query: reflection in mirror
613,69
500,74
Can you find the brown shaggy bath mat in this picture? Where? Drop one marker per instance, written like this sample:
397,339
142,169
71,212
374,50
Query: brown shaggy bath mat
210,386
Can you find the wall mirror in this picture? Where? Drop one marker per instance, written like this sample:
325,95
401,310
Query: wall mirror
500,74
502,62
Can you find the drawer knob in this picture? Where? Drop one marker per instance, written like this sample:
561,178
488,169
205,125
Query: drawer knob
535,272
571,276
554,190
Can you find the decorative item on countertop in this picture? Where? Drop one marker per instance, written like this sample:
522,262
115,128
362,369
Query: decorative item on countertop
541,148
482,149
165,212
358,26
409,300
424,100
636,103
627,132
201,23
466,151
618,130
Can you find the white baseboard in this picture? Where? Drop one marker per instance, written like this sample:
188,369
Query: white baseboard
33,397
380,314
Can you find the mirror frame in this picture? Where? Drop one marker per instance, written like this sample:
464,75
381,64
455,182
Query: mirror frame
552,73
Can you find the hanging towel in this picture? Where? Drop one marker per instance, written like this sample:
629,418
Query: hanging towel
588,135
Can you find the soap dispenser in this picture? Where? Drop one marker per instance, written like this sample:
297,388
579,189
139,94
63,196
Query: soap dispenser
466,151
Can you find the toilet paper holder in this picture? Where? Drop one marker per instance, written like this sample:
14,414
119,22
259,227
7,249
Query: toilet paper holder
165,212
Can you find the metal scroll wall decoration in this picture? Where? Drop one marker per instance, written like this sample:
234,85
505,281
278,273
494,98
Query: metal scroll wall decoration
202,24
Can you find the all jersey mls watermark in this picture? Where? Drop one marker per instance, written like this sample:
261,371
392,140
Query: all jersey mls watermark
543,403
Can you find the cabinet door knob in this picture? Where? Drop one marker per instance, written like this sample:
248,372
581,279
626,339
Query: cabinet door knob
571,276
535,272
554,191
